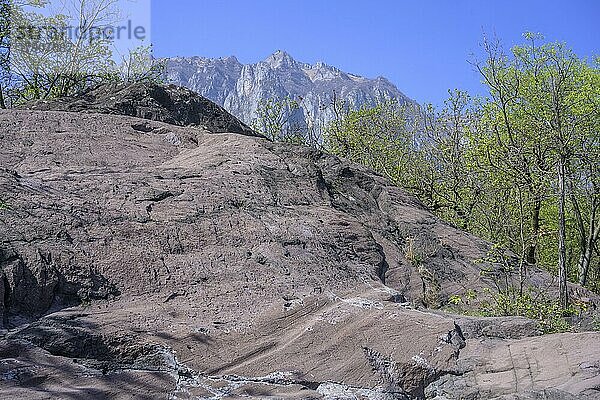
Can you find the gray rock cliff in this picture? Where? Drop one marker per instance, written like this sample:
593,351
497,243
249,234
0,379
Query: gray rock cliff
239,87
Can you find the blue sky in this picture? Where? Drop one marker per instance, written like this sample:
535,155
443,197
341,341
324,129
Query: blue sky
421,46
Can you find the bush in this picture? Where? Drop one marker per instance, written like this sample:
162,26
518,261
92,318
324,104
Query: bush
533,304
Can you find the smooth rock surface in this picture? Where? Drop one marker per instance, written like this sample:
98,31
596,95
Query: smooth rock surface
171,262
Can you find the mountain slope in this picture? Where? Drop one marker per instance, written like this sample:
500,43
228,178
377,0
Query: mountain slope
239,88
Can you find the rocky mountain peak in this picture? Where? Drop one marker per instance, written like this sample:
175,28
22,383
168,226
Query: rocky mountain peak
280,59
231,59
240,89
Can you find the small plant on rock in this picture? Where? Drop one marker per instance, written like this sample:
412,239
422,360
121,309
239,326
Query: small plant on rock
416,251
455,300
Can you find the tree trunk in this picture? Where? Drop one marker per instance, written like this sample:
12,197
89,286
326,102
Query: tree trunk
587,250
535,231
562,249
2,102
583,265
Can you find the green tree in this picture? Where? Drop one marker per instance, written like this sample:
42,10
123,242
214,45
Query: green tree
519,167
59,54
278,120
380,137
583,170
444,177
9,11
4,49
557,101
46,55
511,150
139,65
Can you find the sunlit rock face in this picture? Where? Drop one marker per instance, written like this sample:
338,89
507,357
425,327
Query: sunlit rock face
239,88
152,247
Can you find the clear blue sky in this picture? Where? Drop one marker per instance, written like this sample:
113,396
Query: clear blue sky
421,46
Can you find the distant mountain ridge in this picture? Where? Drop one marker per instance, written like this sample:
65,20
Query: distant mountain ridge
240,87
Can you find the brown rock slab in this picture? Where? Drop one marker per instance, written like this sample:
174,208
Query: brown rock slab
141,259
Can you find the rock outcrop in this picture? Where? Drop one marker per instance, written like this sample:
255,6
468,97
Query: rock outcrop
173,262
171,104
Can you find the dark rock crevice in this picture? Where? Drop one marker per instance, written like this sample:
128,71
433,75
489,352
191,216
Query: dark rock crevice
72,338
35,285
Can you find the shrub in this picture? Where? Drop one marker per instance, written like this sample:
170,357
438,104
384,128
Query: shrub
533,304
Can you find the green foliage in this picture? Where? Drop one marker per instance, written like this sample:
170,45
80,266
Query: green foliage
470,295
4,50
279,120
533,304
140,66
513,299
465,303
544,100
530,303
444,179
380,137
45,55
46,62
455,299
519,168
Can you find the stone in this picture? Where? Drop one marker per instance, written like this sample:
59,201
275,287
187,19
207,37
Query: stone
171,104
222,264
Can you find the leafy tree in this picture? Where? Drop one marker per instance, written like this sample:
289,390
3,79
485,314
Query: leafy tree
583,171
51,59
554,96
46,55
510,149
540,103
519,167
9,10
447,183
383,137
380,137
278,120
4,49
139,65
